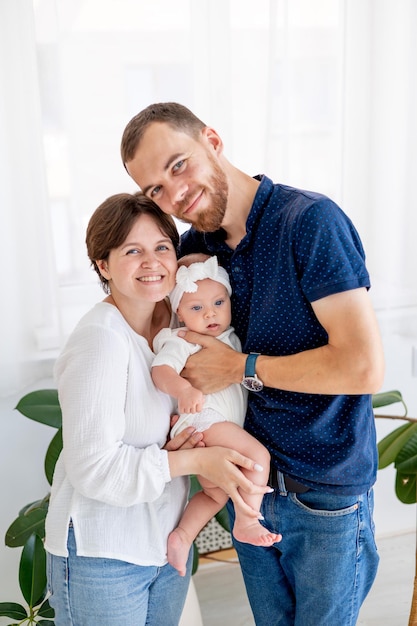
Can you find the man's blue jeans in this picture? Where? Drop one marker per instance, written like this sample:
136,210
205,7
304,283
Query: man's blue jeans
322,570
106,592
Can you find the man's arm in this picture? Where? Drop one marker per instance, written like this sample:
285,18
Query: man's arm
350,363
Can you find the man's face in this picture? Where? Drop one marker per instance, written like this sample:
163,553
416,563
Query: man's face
182,175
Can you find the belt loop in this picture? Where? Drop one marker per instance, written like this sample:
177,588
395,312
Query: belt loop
281,484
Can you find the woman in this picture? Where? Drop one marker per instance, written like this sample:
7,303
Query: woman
119,488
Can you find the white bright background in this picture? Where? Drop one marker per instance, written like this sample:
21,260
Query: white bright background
319,94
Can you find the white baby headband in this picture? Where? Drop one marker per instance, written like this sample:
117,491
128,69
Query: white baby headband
187,277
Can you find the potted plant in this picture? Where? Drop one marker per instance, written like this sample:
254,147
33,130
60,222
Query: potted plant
400,448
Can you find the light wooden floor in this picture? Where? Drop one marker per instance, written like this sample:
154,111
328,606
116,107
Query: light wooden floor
223,599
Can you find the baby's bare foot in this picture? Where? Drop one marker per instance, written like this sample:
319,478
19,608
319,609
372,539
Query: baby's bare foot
255,534
178,550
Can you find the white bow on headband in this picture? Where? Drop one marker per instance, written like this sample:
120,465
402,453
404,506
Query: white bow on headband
187,277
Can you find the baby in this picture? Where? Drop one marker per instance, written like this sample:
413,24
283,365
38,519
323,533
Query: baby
201,299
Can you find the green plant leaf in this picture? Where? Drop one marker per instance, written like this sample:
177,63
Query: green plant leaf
390,446
45,622
42,406
223,518
406,460
384,398
13,610
196,557
46,610
24,526
52,454
32,571
405,487
37,504
194,485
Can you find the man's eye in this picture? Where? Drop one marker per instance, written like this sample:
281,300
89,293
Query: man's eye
178,165
155,191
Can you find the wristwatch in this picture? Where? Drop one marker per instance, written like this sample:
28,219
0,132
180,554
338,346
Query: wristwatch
250,380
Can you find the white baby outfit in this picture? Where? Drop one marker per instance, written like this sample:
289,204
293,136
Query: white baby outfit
229,404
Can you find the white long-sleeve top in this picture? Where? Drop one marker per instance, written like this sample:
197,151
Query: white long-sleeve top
112,478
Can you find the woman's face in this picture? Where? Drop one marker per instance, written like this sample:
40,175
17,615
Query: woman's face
144,266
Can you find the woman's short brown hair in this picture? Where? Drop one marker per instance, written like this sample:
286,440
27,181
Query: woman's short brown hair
112,221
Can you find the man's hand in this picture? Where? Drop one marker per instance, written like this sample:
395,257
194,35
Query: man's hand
215,366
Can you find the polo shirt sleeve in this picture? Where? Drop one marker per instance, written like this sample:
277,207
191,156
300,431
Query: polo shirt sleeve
329,252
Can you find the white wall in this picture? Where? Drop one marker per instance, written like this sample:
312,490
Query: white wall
399,334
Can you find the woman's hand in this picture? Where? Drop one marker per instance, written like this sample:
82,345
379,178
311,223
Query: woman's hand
220,466
186,439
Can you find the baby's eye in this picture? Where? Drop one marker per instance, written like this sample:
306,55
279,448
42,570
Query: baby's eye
196,307
219,302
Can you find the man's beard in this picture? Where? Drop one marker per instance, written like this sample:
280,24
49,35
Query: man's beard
211,219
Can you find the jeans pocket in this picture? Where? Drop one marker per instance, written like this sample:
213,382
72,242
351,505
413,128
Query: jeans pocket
325,504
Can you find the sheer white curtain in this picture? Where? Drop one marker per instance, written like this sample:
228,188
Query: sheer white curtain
380,144
28,304
318,94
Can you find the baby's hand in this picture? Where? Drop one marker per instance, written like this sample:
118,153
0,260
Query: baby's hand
190,400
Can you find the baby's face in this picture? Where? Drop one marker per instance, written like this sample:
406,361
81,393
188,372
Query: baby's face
208,310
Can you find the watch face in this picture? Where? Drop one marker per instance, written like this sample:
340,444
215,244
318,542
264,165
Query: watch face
252,383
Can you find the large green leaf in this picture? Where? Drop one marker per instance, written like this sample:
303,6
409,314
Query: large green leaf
390,446
406,460
384,398
46,611
32,571
37,504
13,610
42,406
52,454
405,487
33,521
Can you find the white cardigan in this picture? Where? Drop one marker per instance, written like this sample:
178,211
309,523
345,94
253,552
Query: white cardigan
112,478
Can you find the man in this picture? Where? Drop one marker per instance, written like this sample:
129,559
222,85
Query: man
312,357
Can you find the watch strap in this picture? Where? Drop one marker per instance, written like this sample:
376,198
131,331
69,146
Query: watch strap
250,364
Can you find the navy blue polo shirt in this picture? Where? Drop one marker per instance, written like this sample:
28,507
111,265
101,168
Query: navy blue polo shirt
299,247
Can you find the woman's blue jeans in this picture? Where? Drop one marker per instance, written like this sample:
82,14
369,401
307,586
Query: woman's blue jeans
105,592
322,570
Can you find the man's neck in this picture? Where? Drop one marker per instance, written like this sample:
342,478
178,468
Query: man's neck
242,191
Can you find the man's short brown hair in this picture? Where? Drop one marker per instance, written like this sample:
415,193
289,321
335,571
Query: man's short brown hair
175,115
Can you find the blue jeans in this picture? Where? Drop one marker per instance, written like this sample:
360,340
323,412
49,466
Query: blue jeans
322,570
90,591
